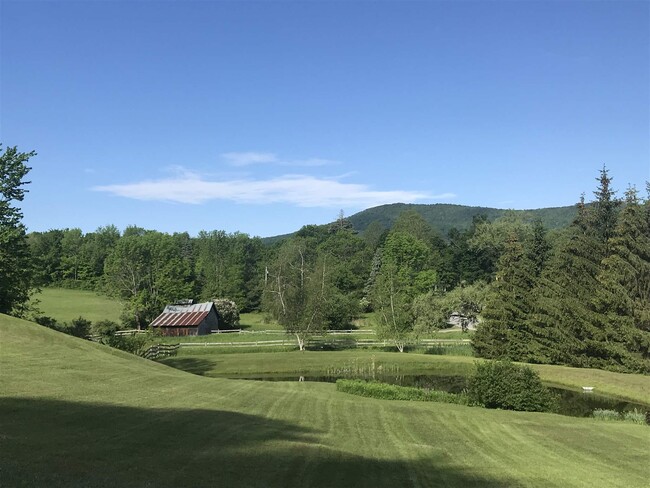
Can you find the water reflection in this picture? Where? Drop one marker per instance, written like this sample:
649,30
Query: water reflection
572,402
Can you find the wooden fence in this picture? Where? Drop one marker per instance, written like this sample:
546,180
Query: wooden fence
329,343
158,351
280,331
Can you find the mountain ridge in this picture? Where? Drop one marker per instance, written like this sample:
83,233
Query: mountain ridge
445,216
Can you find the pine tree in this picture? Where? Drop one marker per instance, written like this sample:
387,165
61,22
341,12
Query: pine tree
504,331
570,314
623,300
604,212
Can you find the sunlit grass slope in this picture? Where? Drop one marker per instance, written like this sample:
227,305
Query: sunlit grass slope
73,413
65,305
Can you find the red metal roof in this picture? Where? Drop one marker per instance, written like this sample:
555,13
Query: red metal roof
179,319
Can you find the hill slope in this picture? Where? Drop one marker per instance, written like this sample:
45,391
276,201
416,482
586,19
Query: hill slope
443,217
73,413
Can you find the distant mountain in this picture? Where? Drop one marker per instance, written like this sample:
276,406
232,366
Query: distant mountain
443,217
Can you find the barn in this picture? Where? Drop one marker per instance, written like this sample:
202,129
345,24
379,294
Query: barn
187,319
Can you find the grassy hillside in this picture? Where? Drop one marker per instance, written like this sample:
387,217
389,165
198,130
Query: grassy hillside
65,305
73,413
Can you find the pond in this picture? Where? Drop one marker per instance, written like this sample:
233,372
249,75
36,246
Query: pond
572,402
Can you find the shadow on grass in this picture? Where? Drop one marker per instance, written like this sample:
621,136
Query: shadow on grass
198,366
55,443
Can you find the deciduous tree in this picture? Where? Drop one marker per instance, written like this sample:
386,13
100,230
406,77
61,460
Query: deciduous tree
16,270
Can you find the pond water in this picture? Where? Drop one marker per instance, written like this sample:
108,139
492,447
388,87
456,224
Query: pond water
572,402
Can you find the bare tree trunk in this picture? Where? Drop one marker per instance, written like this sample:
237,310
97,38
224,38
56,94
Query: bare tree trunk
301,342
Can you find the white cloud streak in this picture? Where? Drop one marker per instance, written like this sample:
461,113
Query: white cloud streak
248,158
240,159
298,190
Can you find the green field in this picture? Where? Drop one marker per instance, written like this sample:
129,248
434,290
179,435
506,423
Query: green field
74,413
65,305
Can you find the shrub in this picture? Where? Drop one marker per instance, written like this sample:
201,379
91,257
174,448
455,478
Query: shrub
79,327
48,322
228,313
135,344
502,384
385,391
104,329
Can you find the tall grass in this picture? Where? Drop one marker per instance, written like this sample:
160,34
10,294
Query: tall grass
634,416
385,391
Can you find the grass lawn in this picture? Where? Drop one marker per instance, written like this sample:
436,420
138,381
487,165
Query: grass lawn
65,305
74,413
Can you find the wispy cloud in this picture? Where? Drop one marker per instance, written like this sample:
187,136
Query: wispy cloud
250,158
298,190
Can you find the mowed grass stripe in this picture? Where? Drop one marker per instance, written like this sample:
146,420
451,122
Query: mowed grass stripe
169,428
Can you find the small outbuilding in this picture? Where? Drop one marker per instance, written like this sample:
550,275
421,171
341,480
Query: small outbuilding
187,319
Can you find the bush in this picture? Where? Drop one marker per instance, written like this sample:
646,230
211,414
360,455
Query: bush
502,384
135,344
49,322
385,391
228,313
104,329
80,327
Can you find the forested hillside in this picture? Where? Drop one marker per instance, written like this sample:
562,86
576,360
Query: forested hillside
443,217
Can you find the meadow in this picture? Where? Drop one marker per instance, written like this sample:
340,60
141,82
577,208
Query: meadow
65,305
76,413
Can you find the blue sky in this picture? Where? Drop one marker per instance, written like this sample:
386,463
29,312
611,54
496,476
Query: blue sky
260,117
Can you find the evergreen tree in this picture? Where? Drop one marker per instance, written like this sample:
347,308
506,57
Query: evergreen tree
569,316
623,299
503,333
605,209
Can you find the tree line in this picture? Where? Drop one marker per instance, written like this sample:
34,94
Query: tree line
578,296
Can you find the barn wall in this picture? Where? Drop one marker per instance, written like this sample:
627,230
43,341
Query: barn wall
211,322
179,331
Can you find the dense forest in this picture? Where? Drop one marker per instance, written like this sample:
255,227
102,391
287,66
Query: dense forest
577,295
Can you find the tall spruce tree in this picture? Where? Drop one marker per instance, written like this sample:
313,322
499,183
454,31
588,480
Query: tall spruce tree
503,332
567,318
623,299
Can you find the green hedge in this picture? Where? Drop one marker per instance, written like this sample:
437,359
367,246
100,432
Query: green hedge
393,392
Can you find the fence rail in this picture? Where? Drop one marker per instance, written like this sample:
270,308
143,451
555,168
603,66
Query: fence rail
129,332
324,342
280,331
158,351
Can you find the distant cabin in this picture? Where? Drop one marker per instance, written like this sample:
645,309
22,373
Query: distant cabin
187,319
